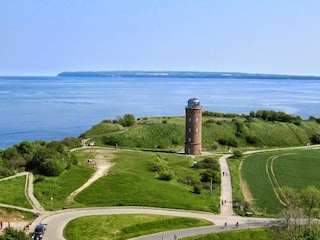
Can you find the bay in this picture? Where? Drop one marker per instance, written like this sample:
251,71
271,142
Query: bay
52,108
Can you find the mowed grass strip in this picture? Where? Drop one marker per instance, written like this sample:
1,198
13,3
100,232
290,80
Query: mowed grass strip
60,187
131,182
116,227
13,192
256,234
253,171
298,169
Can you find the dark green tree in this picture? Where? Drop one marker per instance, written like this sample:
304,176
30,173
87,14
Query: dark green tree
127,120
13,234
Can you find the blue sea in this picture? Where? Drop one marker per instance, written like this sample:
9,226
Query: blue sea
52,108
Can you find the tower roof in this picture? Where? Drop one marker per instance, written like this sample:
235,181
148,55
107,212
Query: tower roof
193,103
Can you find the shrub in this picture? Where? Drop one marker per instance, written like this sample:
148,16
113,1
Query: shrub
209,174
228,142
315,139
237,154
188,180
253,140
165,175
209,163
197,188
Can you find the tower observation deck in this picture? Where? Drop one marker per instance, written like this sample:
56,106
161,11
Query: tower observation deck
193,144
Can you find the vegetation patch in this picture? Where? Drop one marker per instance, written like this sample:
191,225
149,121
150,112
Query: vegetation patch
256,234
131,182
114,227
13,192
52,192
276,170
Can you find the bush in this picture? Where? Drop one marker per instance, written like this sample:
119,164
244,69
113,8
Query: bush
209,163
237,154
188,180
197,188
127,120
13,234
253,140
165,175
228,142
315,139
209,174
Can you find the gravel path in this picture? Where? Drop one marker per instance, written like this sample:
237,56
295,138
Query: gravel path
102,163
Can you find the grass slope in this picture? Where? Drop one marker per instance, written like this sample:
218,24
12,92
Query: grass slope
60,187
131,182
168,133
12,192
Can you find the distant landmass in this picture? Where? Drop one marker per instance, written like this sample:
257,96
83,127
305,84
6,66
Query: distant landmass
181,74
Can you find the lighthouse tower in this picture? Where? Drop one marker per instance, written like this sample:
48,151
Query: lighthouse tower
193,127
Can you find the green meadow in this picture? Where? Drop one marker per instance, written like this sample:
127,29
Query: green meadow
266,172
118,227
59,188
131,182
13,192
167,133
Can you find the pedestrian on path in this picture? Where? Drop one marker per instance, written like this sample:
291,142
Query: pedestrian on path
225,225
1,224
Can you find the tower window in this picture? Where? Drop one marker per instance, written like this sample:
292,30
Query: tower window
190,119
197,129
189,139
189,130
197,119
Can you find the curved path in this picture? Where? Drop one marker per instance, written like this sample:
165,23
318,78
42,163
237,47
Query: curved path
56,221
29,193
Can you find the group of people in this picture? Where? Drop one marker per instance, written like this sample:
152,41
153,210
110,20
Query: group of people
226,224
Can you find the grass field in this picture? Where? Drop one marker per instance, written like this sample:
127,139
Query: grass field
60,187
263,172
131,182
118,227
12,192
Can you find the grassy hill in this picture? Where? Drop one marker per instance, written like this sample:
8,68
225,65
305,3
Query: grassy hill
168,133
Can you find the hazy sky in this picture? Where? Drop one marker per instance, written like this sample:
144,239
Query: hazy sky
45,37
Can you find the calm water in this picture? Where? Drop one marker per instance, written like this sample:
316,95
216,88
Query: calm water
52,108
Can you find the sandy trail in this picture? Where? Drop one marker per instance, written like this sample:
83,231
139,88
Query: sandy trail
102,163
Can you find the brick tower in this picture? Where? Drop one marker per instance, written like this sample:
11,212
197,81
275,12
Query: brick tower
193,127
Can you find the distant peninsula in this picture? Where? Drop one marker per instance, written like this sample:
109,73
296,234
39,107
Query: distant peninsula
182,74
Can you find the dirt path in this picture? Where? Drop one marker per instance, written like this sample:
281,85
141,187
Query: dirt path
102,163
29,193
244,187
